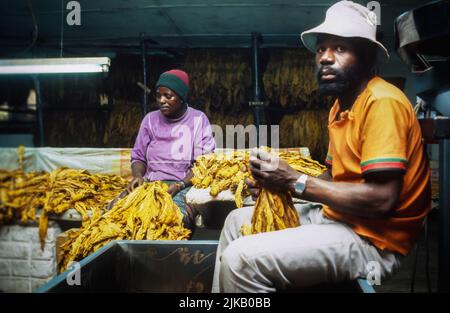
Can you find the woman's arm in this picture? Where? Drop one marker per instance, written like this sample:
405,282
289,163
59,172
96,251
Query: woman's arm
204,142
138,155
138,169
143,138
187,179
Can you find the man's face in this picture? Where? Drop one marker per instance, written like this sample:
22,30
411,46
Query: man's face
338,69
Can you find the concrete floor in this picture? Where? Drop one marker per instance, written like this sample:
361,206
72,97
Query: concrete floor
401,281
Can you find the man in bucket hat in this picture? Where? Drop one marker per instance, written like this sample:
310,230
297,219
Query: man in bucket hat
374,195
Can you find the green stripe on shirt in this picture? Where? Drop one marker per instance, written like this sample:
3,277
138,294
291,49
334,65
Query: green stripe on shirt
380,160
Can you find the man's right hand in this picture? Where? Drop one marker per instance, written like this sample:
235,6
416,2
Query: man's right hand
134,183
253,188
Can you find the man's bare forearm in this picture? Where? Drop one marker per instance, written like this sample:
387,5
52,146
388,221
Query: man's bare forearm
326,175
375,196
369,199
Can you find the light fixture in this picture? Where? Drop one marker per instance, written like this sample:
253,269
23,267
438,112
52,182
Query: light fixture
55,65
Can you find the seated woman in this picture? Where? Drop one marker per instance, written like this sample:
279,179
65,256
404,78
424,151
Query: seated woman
169,140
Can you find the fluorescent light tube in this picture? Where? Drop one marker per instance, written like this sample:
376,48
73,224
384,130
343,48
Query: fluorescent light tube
54,65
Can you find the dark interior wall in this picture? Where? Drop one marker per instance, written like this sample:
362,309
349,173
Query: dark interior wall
74,115
14,90
220,82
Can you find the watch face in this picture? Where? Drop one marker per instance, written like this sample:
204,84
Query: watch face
299,187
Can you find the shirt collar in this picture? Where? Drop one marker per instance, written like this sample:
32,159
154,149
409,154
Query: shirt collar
174,120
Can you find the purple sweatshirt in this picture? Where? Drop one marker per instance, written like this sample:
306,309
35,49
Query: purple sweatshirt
169,146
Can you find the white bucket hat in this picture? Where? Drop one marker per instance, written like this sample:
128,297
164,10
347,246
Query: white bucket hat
345,19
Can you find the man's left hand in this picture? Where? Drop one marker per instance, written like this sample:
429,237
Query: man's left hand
272,172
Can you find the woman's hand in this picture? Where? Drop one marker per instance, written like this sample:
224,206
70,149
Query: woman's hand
174,189
134,183
123,194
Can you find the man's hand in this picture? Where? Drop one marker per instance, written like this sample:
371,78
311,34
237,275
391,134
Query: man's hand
135,182
272,172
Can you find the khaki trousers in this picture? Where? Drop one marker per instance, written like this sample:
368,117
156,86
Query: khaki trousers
319,251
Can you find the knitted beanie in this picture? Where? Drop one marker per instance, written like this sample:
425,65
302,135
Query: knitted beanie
177,81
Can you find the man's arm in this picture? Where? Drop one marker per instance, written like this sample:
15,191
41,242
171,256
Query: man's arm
188,178
326,175
376,197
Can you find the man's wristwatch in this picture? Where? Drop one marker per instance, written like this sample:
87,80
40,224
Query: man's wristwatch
300,184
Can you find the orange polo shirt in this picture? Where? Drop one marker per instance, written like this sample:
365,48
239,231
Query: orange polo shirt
381,133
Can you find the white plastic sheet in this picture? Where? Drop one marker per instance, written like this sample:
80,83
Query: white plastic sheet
199,197
95,160
10,161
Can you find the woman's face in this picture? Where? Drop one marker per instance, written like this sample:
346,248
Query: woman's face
170,103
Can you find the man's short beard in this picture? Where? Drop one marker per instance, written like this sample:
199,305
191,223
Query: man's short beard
344,81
